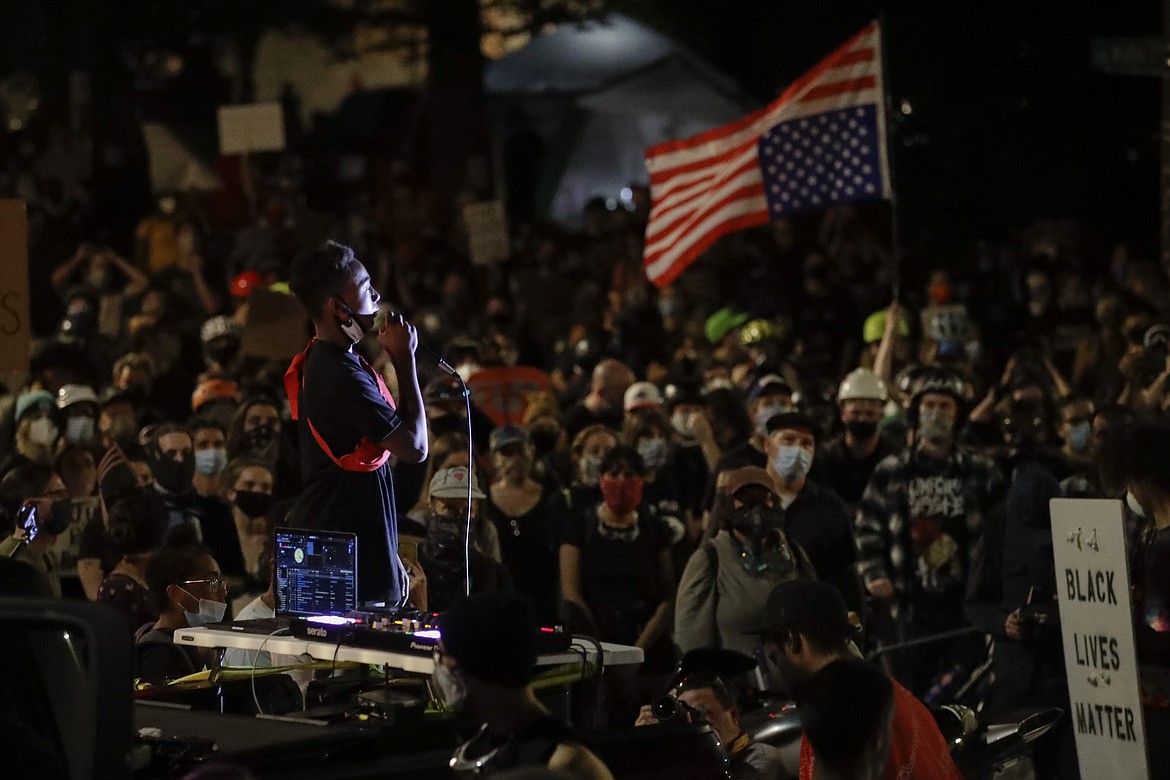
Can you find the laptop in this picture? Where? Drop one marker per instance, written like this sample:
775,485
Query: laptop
316,574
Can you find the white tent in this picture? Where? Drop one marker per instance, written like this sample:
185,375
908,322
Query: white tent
599,93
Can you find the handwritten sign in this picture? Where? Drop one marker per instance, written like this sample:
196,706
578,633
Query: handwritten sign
1092,580
14,325
487,232
277,326
258,127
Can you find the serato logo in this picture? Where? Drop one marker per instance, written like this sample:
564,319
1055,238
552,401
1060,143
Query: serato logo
314,631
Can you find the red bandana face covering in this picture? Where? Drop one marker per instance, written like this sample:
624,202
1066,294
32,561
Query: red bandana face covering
621,495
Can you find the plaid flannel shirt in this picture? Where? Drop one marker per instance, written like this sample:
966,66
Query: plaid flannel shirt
884,522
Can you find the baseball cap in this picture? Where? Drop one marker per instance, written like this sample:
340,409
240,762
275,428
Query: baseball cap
31,399
748,475
509,434
801,604
452,483
723,322
771,384
642,395
443,388
794,420
76,394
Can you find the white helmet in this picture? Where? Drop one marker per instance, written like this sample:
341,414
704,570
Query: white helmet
861,383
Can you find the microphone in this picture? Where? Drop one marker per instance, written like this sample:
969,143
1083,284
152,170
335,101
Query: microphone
443,365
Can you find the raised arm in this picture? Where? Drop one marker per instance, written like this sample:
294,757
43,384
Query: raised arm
409,440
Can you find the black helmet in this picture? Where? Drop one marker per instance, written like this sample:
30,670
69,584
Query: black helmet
938,380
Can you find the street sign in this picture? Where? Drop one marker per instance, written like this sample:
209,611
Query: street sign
1131,56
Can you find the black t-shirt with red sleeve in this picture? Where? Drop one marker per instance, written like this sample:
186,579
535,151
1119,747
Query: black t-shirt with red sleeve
340,396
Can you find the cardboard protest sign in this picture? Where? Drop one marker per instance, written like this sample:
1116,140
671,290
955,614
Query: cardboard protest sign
1096,622
502,392
277,326
487,232
258,127
15,335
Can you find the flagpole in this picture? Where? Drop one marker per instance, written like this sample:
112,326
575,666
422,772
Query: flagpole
895,244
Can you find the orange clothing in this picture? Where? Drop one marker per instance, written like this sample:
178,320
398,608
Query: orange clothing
917,750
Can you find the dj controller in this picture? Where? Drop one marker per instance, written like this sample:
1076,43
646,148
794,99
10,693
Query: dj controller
401,631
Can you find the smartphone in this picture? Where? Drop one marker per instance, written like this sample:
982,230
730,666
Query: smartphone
26,518
408,551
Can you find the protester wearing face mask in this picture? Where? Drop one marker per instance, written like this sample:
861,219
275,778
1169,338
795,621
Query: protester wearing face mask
1078,466
248,489
189,591
813,517
36,430
529,518
209,444
442,552
589,449
727,580
118,420
649,433
221,338
848,460
257,431
617,573
919,526
767,398
208,520
36,506
78,405
483,666
542,420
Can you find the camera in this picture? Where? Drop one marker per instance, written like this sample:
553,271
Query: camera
668,709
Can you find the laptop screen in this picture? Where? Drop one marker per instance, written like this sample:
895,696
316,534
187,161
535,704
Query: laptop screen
316,572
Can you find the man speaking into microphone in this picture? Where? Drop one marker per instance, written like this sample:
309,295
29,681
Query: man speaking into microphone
348,423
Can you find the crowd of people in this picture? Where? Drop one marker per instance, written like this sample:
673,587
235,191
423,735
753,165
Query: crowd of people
771,416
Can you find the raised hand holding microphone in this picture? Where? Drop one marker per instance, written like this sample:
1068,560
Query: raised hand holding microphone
398,337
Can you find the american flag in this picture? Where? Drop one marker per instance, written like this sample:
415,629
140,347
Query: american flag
820,143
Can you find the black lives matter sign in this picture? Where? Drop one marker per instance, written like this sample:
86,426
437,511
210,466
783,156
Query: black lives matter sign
1092,579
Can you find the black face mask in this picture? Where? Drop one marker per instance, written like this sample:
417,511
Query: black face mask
222,352
260,438
544,439
862,430
173,476
254,504
445,534
52,523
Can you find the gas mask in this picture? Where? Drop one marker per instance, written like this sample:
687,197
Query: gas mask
765,551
